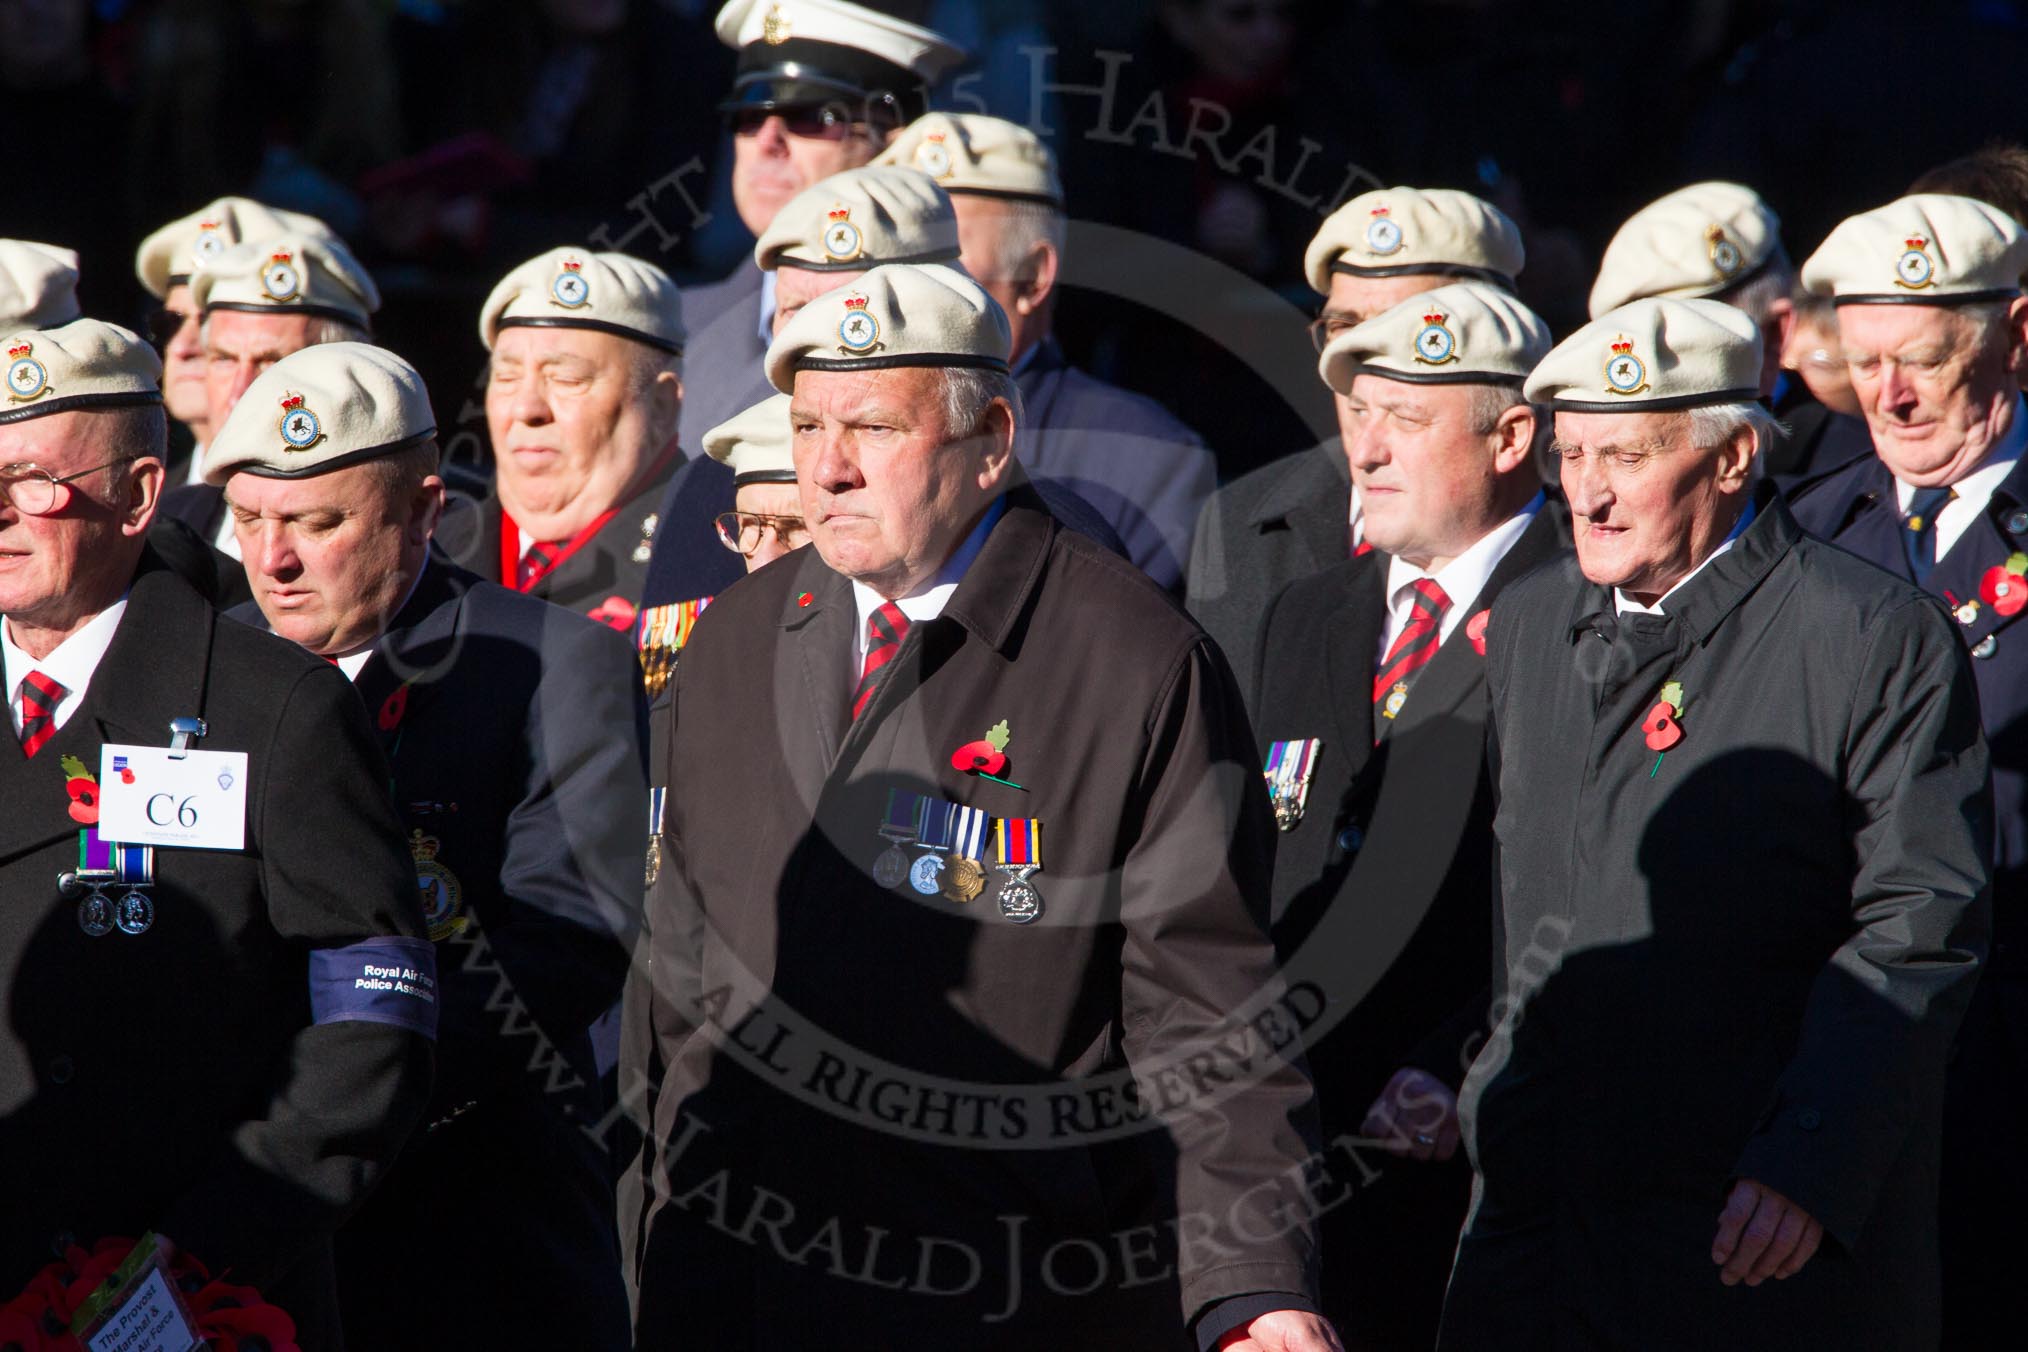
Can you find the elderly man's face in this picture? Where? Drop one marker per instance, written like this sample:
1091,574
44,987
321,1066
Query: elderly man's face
184,392
330,558
576,416
1933,382
1647,504
778,509
239,345
1429,479
61,568
777,155
796,287
886,489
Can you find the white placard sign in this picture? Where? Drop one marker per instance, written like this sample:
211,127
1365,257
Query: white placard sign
196,801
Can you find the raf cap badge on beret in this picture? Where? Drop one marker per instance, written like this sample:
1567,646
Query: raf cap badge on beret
1725,255
280,278
300,428
842,240
1625,373
933,157
1383,235
858,331
27,378
209,244
1435,345
569,289
1915,270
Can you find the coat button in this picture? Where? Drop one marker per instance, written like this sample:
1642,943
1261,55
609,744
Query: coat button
2017,521
1350,839
62,1070
1809,1119
1986,646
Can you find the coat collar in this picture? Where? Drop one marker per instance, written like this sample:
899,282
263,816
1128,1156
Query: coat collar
1350,643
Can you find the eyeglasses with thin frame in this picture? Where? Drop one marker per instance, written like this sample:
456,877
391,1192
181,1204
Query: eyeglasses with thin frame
31,489
1329,325
744,532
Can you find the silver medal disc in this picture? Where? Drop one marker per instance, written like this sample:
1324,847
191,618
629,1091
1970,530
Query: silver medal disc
95,914
136,913
891,867
926,875
1020,903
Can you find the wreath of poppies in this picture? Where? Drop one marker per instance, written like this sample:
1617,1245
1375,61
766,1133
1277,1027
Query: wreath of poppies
231,1318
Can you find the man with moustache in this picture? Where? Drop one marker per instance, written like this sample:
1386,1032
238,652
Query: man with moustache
946,642
1289,519
1933,327
514,740
1382,869
821,86
1743,825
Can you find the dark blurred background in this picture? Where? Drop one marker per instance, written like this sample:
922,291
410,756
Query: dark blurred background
450,139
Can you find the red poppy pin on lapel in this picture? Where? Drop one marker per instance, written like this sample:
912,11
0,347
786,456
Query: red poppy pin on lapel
2005,586
1475,630
986,757
1661,724
83,787
393,708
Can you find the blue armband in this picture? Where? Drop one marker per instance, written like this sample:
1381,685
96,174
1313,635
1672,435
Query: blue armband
391,981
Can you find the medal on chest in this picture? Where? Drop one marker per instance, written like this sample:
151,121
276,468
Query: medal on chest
1018,844
900,827
1289,765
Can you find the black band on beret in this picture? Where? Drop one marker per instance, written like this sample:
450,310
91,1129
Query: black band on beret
763,476
783,260
291,308
1926,298
1039,198
964,360
73,402
1748,395
174,280
596,326
1499,279
337,462
1445,377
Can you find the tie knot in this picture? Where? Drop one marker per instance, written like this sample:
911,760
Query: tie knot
1429,597
1923,503
885,625
46,690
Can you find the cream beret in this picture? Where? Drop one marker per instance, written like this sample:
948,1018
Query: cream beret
1698,241
170,255
860,219
1650,356
288,274
754,444
1399,231
85,364
980,155
813,50
901,315
321,409
38,285
1466,333
1929,249
575,289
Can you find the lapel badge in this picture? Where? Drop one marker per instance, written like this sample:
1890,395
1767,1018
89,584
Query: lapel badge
300,428
1915,270
858,331
27,378
569,288
1624,372
443,898
1968,613
280,278
83,787
2004,587
1475,630
645,548
1383,235
841,239
1661,725
775,28
933,157
1289,765
987,757
209,244
1398,696
1724,254
1435,345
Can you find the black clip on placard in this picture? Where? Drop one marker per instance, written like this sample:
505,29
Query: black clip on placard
181,730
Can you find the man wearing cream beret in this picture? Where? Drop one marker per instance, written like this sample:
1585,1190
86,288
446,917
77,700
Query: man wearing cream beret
945,642
1742,827
1934,329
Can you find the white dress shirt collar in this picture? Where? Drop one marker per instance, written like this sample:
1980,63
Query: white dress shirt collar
927,602
70,664
1970,494
1462,579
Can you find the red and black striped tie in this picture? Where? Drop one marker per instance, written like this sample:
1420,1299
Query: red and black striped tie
885,629
39,697
1412,651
